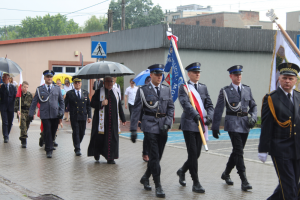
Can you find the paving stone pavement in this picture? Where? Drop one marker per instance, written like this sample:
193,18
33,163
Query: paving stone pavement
71,177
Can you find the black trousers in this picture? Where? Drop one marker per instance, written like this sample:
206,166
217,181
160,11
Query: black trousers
50,128
193,144
7,122
145,145
130,108
236,159
156,147
288,172
78,128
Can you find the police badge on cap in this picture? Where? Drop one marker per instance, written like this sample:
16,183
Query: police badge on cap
48,73
76,79
157,68
288,69
236,69
194,67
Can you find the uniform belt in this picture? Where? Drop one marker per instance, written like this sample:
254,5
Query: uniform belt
157,115
239,114
24,107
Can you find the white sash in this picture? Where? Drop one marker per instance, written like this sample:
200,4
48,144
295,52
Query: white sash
197,95
102,111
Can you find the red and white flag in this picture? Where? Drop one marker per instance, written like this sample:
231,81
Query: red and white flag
19,92
170,35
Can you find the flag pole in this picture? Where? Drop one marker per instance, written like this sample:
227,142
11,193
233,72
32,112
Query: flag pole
273,18
189,92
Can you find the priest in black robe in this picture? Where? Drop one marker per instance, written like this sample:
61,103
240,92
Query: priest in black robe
105,131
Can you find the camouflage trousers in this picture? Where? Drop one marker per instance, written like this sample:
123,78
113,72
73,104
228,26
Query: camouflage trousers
24,124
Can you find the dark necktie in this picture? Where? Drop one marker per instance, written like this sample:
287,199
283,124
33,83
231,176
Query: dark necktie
7,87
195,85
158,92
78,95
289,96
49,88
239,90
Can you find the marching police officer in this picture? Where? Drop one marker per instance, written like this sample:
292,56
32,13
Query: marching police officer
155,100
51,109
236,98
189,123
280,128
80,112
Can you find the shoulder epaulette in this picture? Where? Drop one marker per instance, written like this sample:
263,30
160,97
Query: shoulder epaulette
202,84
144,85
225,87
297,90
245,85
40,86
272,92
165,85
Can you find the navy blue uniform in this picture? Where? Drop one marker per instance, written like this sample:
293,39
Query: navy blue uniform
282,143
8,96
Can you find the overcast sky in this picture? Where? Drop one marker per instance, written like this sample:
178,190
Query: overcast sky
11,14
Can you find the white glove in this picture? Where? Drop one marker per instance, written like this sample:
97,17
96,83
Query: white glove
263,157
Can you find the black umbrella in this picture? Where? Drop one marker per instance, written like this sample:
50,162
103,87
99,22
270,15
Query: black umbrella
9,66
102,69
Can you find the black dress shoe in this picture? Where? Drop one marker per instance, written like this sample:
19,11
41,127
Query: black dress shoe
55,144
227,178
23,142
197,187
41,142
111,162
53,148
97,158
49,154
6,140
245,184
78,153
145,181
160,192
181,175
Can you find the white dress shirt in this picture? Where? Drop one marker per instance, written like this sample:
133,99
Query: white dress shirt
76,92
292,94
154,87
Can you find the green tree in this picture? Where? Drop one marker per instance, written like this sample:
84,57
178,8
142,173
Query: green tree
94,24
138,13
8,33
47,26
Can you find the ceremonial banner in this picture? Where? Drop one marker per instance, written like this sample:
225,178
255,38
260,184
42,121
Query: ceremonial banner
177,78
19,92
282,53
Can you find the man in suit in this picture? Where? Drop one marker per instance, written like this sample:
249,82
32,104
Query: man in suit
236,98
98,84
8,95
80,112
155,100
51,109
189,123
280,132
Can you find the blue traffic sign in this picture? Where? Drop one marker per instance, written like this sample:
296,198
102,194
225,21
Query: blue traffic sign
98,49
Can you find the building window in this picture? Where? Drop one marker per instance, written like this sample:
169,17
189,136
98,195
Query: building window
182,23
70,69
58,69
166,18
197,23
213,21
255,27
176,16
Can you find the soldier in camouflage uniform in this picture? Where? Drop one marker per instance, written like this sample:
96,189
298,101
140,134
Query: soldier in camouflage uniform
26,100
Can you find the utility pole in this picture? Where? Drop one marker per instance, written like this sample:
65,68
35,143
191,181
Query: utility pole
110,21
123,15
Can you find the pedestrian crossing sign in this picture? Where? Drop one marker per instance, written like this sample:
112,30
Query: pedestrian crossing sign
98,49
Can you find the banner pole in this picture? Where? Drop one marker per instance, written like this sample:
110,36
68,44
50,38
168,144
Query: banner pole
189,92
